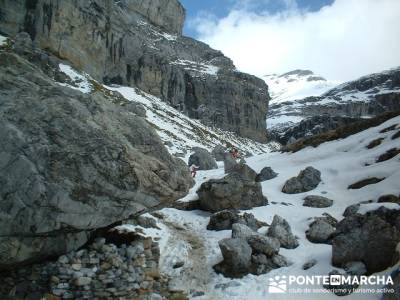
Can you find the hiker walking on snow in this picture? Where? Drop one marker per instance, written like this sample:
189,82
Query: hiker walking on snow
193,170
235,153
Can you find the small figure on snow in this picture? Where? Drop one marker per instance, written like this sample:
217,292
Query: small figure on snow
193,170
235,153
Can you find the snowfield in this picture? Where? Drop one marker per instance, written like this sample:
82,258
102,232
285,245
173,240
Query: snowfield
184,237
289,87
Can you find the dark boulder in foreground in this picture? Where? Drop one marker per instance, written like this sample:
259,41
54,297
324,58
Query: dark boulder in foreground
371,238
307,180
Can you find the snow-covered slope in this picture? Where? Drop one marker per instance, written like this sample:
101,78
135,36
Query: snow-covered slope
184,236
178,132
297,84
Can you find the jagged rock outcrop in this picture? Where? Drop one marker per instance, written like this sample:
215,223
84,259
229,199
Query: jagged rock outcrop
71,163
139,43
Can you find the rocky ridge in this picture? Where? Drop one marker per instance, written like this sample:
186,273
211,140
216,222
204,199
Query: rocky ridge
368,96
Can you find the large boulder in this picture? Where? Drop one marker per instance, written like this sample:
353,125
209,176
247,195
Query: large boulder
266,174
231,192
307,180
203,159
320,231
317,201
281,230
219,152
371,238
71,163
237,258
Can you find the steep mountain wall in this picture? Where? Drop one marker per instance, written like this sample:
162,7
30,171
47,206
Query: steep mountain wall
139,43
71,162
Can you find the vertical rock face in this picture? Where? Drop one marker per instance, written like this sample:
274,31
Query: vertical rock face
168,14
139,43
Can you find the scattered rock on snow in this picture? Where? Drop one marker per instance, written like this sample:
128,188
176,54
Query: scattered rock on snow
266,174
307,180
308,265
388,155
320,231
390,128
375,143
281,230
224,220
396,135
203,159
362,183
317,201
230,192
389,199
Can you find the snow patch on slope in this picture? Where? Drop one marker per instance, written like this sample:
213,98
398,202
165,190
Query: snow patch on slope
180,133
197,67
297,84
80,82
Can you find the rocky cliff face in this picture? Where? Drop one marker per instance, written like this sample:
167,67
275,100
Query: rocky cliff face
366,97
70,162
139,43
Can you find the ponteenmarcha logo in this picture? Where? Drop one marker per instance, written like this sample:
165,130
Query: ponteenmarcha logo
277,285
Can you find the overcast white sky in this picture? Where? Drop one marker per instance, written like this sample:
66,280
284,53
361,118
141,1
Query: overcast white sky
343,41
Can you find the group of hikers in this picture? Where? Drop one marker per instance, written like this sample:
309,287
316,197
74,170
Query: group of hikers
233,152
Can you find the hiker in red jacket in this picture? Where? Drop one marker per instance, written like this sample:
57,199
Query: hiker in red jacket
235,153
193,170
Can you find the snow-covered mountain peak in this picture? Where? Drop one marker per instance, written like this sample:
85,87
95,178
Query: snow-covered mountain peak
297,84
